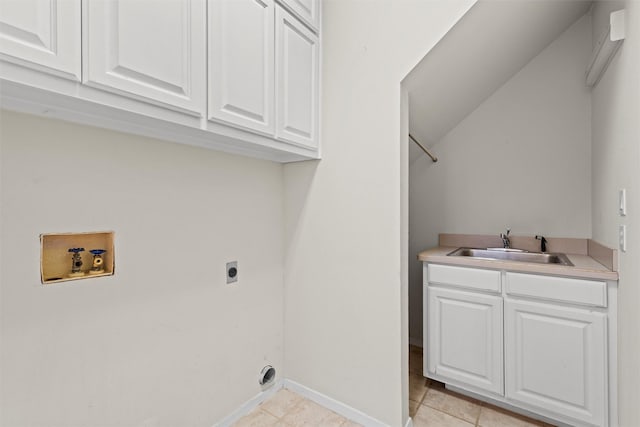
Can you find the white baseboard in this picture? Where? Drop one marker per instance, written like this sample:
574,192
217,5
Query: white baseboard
416,341
249,405
334,405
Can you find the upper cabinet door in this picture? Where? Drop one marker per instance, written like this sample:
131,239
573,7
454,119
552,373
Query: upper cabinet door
297,81
241,63
42,34
151,50
307,10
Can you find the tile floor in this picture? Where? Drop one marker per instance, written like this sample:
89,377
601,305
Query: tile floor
430,405
289,409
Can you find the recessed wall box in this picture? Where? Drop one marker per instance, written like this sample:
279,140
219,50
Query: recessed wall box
71,256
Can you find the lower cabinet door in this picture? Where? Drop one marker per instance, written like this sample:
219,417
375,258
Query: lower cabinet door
556,359
464,337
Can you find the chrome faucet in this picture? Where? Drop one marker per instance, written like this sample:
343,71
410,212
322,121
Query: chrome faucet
506,243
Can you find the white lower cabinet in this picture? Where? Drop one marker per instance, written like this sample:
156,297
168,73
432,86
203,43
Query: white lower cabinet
556,359
465,340
541,344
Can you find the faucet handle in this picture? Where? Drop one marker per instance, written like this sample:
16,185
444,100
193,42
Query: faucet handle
543,243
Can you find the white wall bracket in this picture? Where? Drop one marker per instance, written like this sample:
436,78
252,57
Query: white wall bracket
608,44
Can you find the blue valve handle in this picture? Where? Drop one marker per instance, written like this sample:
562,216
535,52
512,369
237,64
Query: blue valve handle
76,250
98,251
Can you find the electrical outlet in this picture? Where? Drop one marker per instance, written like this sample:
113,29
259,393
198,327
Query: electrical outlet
232,272
622,237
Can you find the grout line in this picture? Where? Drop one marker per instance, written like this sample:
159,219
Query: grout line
301,400
479,404
479,413
280,418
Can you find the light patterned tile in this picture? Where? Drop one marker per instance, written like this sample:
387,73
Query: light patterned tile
281,402
413,407
417,387
350,423
334,420
429,417
307,413
453,404
257,418
496,417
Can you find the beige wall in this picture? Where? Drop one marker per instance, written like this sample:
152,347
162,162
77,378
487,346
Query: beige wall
164,342
343,317
522,159
616,161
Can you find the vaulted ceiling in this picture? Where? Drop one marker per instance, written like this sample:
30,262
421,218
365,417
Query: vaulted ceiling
489,44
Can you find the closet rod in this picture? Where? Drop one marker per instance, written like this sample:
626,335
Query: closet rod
434,158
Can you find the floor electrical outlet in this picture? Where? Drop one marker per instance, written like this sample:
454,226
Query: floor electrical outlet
232,272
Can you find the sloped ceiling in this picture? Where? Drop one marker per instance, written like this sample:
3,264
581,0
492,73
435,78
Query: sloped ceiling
490,44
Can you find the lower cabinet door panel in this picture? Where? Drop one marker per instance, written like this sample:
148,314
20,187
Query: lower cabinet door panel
464,331
556,359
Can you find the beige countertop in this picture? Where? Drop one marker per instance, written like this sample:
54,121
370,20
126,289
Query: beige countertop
584,265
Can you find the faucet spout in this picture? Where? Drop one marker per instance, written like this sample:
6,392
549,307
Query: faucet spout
506,243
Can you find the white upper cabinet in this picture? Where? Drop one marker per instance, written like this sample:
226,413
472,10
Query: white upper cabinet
241,63
297,81
42,34
239,76
150,50
307,10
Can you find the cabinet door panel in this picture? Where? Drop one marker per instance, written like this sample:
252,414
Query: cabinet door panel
42,34
241,63
556,359
152,50
307,10
297,71
465,337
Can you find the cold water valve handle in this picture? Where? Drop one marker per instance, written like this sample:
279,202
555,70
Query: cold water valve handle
76,261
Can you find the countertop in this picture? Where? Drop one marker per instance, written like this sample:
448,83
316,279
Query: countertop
584,265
